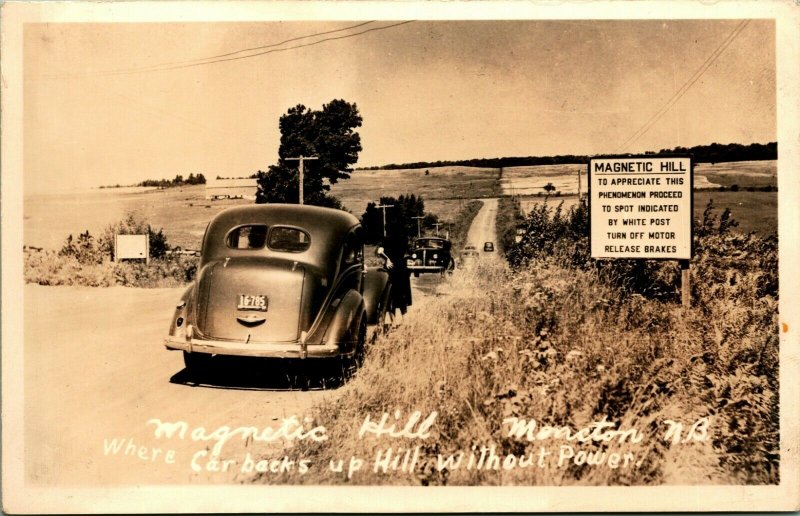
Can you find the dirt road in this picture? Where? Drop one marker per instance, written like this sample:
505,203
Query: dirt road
95,370
484,225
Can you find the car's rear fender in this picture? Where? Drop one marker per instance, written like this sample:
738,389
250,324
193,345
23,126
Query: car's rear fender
181,317
376,284
344,325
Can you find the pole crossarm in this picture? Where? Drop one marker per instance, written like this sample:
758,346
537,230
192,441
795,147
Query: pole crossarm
302,160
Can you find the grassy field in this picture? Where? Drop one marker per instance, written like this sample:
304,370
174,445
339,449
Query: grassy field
442,183
184,213
531,180
754,211
743,173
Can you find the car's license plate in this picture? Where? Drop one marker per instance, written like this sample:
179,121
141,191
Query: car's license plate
251,302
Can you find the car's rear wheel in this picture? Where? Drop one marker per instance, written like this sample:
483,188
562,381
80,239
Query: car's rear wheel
350,364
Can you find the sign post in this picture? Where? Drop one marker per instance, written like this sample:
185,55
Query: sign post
640,207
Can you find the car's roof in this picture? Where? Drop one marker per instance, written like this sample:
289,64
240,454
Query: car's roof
313,219
326,228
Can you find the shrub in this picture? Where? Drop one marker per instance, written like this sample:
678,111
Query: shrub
85,261
133,224
83,249
564,238
509,218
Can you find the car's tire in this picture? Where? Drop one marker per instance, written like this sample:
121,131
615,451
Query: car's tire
196,362
349,365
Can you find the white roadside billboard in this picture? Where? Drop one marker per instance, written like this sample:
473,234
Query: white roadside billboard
131,247
641,207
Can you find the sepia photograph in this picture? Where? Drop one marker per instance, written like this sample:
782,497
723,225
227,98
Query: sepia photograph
400,257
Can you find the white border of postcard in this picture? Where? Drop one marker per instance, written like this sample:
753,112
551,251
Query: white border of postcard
21,498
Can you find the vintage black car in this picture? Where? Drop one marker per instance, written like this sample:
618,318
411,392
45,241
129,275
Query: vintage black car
430,254
488,247
281,281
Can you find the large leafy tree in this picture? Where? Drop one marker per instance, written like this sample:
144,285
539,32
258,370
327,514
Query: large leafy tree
329,134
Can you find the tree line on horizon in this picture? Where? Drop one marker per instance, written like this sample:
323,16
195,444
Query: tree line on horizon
714,153
179,180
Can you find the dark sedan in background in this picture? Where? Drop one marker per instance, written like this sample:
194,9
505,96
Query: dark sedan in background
430,254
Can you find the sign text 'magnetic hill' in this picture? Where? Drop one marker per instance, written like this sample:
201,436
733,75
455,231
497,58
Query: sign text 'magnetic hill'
641,207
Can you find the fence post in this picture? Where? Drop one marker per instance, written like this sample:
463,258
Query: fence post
686,286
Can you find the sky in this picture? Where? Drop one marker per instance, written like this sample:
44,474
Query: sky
99,109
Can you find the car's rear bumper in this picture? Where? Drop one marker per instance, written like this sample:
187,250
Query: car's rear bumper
265,350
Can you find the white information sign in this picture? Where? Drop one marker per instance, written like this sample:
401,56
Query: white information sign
131,247
641,207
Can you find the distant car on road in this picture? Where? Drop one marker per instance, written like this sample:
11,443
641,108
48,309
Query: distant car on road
430,254
280,281
488,247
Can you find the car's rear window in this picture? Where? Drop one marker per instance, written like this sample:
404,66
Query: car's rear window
277,238
253,236
291,240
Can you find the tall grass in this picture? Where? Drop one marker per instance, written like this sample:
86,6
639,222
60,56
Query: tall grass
556,340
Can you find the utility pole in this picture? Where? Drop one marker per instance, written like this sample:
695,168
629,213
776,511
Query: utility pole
419,231
437,228
302,160
383,207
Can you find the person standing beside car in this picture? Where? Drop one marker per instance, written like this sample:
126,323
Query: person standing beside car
393,250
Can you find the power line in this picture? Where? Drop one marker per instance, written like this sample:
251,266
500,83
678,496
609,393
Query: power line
231,55
686,86
271,45
200,60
